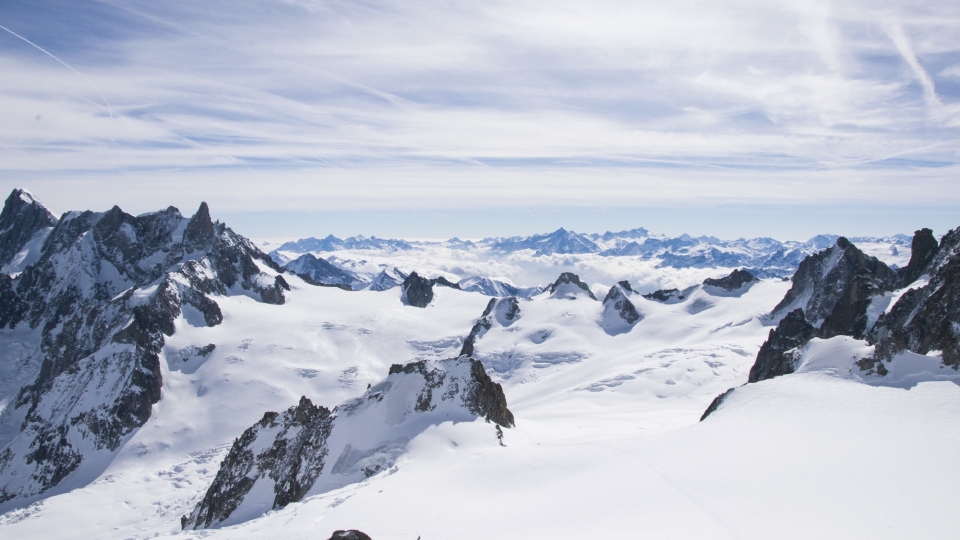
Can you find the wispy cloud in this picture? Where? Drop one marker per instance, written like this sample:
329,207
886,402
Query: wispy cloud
361,104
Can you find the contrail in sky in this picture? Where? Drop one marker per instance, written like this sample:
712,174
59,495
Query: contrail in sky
66,65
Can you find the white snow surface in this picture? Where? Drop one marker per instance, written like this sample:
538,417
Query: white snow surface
607,441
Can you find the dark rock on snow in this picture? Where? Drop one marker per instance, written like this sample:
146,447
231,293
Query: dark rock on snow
23,217
736,279
104,312
715,404
664,295
504,310
352,534
417,291
569,283
619,313
774,358
292,448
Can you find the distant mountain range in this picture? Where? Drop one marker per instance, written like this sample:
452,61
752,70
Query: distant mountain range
763,257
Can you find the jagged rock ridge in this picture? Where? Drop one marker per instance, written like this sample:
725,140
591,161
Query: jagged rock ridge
309,449
105,291
619,313
505,311
569,286
737,279
24,225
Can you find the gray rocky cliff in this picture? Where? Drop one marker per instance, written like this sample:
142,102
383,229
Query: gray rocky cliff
736,279
568,285
927,318
416,291
24,220
619,313
834,288
105,293
505,311
307,446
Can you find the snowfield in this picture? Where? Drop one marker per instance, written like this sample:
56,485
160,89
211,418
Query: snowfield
607,439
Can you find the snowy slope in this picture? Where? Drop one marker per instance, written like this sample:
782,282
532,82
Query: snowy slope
607,439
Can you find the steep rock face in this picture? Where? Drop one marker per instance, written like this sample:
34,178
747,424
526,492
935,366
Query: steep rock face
416,291
290,464
505,311
24,225
321,271
569,286
619,314
774,358
736,279
922,252
835,287
105,292
927,318
309,450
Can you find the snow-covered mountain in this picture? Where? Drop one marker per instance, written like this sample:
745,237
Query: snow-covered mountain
494,266
161,374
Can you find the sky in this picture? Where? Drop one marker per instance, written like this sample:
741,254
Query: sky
439,118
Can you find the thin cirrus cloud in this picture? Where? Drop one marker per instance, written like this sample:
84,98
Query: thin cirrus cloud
388,104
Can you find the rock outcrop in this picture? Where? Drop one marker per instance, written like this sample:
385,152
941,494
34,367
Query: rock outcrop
416,291
736,279
503,311
774,358
352,534
310,450
24,225
105,292
927,318
834,288
619,314
922,253
665,295
569,286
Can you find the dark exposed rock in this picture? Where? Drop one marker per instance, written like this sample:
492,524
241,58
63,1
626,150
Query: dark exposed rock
736,279
105,292
293,462
444,282
922,252
417,291
664,295
619,313
774,358
835,287
352,534
928,318
567,284
504,310
22,219
715,404
292,448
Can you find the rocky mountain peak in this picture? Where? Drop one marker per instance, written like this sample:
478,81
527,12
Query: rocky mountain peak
619,313
23,221
922,252
737,279
200,230
568,285
417,291
309,449
834,287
